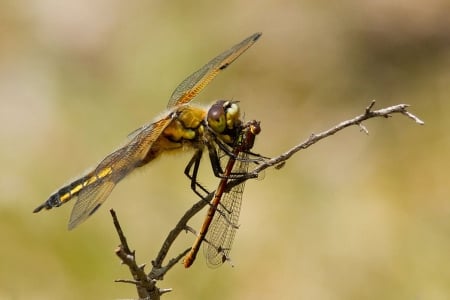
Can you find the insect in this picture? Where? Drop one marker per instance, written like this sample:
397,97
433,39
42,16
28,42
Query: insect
183,126
220,224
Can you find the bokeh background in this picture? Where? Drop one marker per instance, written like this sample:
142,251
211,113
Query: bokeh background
353,217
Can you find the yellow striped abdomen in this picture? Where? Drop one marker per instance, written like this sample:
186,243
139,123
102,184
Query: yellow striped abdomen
72,190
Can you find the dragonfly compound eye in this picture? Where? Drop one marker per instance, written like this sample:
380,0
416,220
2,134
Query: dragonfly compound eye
216,117
255,127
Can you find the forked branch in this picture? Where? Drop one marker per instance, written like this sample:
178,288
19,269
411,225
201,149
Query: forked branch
146,283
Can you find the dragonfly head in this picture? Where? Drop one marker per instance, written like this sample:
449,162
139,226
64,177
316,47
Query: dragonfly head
224,119
248,134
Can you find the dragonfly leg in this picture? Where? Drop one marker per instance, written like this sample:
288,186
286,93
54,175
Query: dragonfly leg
256,158
215,161
217,167
193,165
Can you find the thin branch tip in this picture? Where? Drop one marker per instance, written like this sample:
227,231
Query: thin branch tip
134,282
164,291
371,105
413,117
363,128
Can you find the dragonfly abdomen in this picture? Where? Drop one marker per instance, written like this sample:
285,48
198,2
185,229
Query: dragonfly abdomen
64,194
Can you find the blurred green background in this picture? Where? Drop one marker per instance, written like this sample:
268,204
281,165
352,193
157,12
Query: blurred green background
353,217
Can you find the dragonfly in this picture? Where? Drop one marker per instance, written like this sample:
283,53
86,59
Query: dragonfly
183,126
220,225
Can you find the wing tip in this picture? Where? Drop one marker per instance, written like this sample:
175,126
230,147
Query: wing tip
256,36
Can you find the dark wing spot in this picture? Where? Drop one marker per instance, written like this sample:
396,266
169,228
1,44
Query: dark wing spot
224,66
94,209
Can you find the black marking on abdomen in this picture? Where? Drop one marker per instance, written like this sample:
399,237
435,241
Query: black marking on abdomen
62,196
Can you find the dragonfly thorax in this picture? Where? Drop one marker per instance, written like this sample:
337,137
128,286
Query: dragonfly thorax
185,124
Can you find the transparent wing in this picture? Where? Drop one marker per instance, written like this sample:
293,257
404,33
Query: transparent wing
193,84
98,184
89,200
223,227
219,227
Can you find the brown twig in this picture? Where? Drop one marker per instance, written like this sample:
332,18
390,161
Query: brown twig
146,286
357,121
